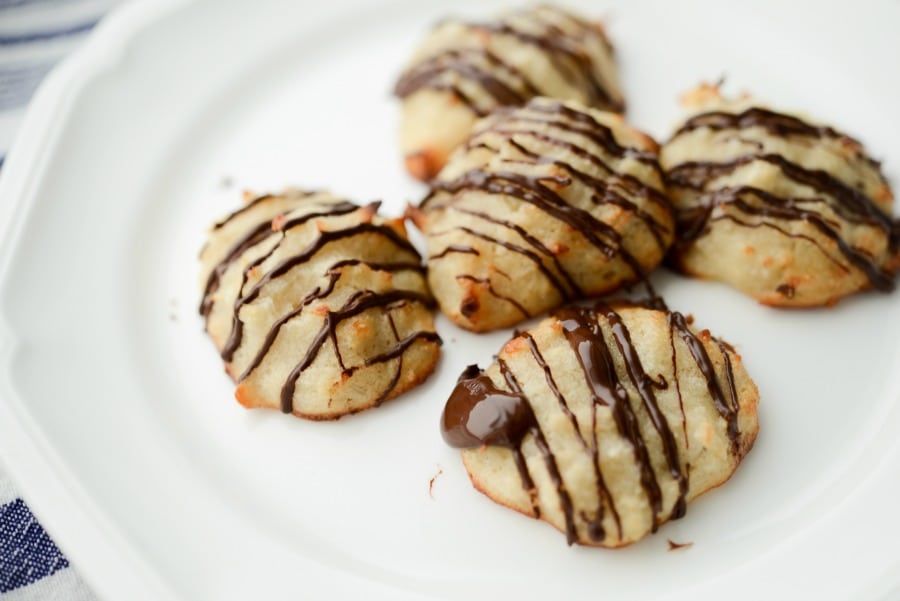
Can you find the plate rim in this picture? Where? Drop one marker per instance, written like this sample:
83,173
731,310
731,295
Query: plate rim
111,568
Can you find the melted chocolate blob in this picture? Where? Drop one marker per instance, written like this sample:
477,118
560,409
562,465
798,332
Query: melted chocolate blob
478,414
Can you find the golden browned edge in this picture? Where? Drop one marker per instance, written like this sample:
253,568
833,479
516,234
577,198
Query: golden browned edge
772,299
649,143
425,164
894,262
705,92
416,215
475,291
402,386
483,489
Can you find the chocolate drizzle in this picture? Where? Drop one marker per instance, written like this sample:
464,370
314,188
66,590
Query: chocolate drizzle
454,248
334,273
325,238
752,207
644,385
358,303
254,236
481,78
584,335
595,523
569,59
583,123
850,203
605,191
247,207
564,283
575,133
534,190
778,124
479,413
727,407
509,299
478,65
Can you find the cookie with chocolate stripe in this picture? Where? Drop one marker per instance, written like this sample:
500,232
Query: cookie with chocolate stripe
544,203
786,209
604,421
319,307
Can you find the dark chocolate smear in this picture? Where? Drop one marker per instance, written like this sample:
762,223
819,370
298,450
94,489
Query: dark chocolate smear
478,414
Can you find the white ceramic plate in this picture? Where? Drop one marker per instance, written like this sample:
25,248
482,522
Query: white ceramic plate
116,417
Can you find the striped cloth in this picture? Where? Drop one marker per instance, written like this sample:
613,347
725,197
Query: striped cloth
32,568
34,36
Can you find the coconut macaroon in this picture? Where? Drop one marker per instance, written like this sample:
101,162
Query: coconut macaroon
544,203
604,421
790,211
319,307
463,71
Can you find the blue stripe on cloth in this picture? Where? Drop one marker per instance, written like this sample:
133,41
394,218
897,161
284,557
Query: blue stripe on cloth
41,36
19,81
26,552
